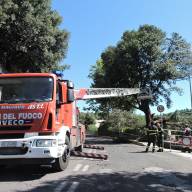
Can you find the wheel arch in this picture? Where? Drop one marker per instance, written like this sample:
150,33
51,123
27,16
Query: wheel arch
64,131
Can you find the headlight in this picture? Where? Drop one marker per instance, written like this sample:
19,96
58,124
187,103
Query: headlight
45,143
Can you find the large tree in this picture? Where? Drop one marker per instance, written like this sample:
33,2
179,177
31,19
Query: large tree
145,58
30,37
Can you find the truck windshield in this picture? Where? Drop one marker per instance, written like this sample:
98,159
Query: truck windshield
26,89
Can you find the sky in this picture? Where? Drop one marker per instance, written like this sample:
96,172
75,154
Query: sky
96,24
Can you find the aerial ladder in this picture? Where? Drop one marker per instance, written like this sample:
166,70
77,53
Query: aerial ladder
97,93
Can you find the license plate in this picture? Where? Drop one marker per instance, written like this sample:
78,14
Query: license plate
8,143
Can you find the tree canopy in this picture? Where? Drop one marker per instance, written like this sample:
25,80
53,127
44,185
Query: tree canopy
143,58
30,37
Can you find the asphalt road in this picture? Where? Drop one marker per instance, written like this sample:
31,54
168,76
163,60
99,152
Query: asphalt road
128,168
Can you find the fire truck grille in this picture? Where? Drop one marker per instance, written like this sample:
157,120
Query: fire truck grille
13,128
12,136
13,150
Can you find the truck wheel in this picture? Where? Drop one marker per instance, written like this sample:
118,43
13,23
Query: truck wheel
62,162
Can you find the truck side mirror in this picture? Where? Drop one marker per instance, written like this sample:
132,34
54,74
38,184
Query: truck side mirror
70,95
68,92
70,84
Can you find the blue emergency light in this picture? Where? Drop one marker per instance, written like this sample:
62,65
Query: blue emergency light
58,73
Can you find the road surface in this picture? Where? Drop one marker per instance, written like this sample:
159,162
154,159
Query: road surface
128,168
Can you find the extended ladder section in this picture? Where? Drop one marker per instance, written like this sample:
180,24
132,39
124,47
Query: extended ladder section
96,93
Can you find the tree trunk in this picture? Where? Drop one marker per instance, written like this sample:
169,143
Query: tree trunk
146,109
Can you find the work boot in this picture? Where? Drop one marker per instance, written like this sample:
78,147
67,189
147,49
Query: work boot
147,149
153,150
160,150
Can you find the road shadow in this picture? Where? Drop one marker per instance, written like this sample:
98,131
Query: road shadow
107,140
138,152
23,173
94,140
159,181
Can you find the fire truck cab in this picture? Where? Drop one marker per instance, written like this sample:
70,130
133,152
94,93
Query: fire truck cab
38,120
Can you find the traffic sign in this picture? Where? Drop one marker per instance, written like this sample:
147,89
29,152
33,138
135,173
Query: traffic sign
160,108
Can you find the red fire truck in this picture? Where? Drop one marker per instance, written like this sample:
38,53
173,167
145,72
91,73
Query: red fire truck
39,118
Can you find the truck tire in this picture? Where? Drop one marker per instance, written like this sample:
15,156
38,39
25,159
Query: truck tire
61,163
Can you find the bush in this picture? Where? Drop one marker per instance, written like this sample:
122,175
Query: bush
104,129
92,129
87,119
121,122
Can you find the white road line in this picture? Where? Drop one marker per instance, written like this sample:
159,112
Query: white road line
85,168
60,187
77,167
73,187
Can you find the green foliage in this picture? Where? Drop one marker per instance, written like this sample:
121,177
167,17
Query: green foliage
30,37
175,116
120,121
180,118
145,58
87,119
104,129
92,129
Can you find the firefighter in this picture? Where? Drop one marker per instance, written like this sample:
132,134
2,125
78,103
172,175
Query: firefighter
152,136
160,137
187,131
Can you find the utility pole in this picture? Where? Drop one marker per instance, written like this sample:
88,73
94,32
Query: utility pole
190,90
